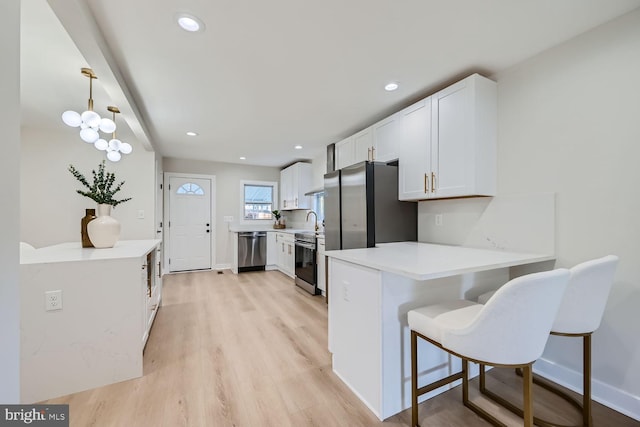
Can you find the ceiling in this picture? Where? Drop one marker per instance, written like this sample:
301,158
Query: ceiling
266,76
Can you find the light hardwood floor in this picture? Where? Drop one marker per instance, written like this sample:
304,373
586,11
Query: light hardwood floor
251,350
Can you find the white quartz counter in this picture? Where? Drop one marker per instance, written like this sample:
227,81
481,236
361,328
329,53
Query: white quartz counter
73,251
249,228
424,261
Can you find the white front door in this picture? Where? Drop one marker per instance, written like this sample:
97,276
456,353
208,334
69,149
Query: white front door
190,226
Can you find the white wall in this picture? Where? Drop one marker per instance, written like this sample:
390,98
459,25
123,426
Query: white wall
228,197
10,196
50,207
569,123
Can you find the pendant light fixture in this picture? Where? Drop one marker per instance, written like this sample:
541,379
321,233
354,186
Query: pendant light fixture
89,121
114,148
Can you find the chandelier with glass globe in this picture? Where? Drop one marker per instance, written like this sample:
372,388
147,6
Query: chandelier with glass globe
90,124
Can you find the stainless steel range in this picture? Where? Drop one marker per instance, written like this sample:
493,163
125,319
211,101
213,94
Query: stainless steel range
306,271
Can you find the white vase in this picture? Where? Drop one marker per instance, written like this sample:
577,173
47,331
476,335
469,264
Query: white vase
104,231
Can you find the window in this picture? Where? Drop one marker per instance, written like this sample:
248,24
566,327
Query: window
318,206
191,189
258,200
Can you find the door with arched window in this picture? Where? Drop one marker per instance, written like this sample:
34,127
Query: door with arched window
190,225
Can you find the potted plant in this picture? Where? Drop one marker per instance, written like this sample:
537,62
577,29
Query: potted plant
103,231
277,214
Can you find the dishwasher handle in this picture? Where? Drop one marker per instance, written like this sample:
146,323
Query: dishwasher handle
252,234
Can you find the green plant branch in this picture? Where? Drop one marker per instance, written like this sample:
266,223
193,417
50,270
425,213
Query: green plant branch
101,190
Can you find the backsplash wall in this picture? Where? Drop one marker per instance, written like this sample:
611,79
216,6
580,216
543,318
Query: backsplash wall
515,222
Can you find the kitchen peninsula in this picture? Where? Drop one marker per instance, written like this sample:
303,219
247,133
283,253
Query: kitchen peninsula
370,292
94,330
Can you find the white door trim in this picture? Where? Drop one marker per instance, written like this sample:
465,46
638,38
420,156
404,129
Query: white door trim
167,215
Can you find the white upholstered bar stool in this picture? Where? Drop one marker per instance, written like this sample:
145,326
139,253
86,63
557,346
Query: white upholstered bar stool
511,330
579,315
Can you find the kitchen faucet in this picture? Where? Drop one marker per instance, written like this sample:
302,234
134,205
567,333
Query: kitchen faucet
316,216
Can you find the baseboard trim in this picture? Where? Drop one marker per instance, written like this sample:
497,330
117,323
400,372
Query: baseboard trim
603,393
362,399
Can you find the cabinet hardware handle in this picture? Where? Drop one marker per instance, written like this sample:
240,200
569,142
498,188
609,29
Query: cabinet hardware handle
426,183
289,249
144,266
369,153
154,306
373,153
433,182
296,201
159,270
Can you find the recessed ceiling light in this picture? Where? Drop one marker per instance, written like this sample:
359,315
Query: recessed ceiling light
298,147
192,134
243,158
389,87
189,22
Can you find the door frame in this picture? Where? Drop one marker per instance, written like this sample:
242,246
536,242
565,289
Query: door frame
167,215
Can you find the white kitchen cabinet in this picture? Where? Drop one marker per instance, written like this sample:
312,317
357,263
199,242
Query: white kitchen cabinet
152,288
362,145
414,171
272,250
345,153
286,189
386,138
321,262
375,143
97,336
295,181
286,253
448,143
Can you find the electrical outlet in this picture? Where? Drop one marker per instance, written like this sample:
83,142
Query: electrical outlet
439,220
140,214
53,300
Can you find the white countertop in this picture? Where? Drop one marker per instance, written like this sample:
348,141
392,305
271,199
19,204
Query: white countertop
73,251
424,261
248,228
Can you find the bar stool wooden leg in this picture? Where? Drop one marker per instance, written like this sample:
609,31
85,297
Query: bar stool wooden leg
586,381
527,386
414,379
584,408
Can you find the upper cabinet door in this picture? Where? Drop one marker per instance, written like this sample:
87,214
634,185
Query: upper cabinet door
363,145
295,181
285,189
463,146
415,151
345,153
386,138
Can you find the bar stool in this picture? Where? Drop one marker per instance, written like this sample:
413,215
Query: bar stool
511,330
580,314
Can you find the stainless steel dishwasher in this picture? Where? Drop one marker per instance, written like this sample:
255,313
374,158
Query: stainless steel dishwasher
252,250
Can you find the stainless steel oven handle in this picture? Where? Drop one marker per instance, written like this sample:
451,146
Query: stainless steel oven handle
306,245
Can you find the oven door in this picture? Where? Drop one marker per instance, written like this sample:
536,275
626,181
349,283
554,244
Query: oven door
306,263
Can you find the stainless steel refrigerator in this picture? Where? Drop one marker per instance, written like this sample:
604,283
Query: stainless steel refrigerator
361,207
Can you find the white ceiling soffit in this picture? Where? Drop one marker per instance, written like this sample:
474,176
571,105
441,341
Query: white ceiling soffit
81,26
266,76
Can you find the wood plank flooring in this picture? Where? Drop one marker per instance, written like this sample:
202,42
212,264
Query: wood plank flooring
251,350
